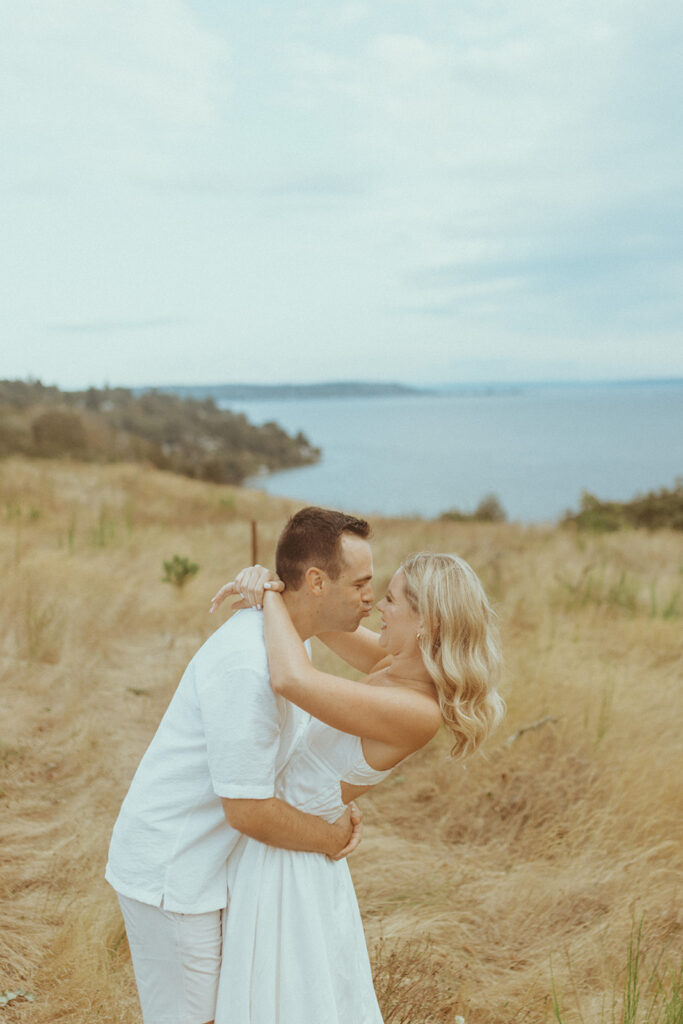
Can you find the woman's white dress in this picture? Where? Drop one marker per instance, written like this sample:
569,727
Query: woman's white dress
294,950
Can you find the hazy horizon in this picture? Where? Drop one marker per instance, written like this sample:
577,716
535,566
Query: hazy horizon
299,382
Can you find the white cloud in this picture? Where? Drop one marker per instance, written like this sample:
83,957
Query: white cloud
96,88
317,65
404,57
523,139
352,14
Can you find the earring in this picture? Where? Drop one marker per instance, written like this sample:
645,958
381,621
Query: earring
418,637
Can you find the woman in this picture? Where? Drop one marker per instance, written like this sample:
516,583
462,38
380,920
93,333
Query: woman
294,949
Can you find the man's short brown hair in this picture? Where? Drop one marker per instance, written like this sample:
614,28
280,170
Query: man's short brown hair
313,537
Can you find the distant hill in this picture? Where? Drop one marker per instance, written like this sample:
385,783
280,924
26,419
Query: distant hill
295,392
188,435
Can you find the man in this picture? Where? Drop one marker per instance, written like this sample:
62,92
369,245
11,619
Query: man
209,775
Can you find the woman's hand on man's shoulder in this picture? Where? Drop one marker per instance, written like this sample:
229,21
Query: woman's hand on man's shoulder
249,586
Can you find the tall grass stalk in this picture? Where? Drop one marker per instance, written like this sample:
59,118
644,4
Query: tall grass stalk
606,707
71,534
649,994
104,533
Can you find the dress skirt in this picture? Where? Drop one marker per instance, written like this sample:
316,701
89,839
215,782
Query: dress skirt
294,949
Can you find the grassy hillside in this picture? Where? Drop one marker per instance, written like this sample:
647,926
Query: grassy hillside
482,887
182,434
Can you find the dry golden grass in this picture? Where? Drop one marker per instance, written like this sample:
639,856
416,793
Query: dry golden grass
470,878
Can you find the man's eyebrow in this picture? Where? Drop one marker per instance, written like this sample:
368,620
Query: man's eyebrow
363,579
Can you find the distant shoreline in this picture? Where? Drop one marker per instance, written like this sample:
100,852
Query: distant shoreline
292,392
242,392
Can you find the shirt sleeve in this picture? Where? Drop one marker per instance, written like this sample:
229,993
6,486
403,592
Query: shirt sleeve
242,728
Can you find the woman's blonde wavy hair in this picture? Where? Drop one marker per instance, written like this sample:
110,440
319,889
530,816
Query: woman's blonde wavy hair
459,645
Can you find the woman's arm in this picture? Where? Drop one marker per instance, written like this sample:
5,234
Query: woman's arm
360,649
394,715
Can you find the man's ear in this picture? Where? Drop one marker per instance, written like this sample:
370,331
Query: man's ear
315,580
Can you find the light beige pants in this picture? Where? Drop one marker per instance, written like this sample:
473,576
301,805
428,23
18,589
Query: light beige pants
177,961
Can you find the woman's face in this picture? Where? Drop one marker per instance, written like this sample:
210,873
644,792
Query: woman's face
400,622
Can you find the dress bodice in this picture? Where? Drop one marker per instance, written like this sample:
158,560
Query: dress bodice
324,757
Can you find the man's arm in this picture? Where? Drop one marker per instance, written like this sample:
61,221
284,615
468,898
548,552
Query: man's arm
242,730
277,823
360,649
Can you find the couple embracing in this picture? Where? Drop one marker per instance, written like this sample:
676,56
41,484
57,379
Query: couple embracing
228,855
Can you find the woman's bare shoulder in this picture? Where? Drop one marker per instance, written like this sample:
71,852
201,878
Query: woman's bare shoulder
424,702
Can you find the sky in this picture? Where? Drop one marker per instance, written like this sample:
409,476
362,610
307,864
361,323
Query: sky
204,191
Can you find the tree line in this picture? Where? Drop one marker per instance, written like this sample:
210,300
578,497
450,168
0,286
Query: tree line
192,437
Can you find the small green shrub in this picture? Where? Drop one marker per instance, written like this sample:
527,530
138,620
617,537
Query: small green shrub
598,516
178,570
656,510
489,510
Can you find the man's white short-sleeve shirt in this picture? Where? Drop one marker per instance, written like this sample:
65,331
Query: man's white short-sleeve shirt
224,734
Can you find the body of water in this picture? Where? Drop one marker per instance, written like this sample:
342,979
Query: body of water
537,447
